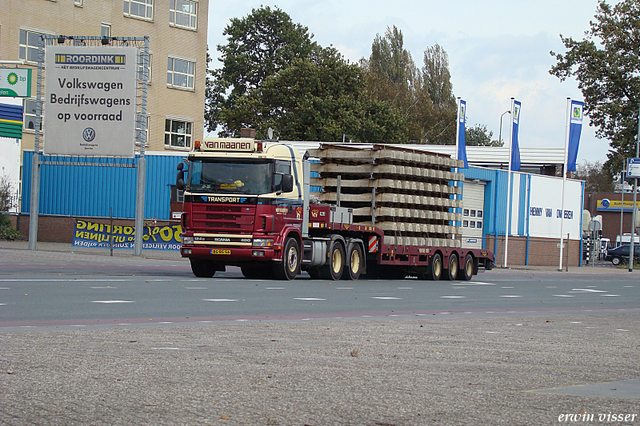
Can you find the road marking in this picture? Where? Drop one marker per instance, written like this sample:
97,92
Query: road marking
621,329
562,295
626,286
576,322
309,299
165,322
344,288
476,283
107,287
386,298
112,301
550,286
405,288
275,288
196,288
3,304
587,290
610,295
5,288
453,297
510,296
172,349
506,287
220,300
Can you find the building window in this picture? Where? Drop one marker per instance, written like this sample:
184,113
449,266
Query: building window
183,13
142,9
180,73
30,42
177,133
105,30
30,111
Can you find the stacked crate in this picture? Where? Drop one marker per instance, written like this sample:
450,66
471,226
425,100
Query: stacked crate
409,194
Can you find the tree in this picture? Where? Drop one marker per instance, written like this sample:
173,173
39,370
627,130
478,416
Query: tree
479,135
606,65
595,176
258,46
6,230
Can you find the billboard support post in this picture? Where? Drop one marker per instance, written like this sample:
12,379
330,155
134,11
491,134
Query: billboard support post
35,168
142,162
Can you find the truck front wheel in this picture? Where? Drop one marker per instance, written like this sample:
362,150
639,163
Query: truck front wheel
290,266
203,268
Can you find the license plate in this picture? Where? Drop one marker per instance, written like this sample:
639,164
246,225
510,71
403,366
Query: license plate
220,251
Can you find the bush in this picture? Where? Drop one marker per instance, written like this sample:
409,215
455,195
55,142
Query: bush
7,232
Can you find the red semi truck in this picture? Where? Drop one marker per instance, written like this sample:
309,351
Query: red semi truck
247,204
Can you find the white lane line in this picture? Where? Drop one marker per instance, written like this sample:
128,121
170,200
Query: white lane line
506,287
5,288
309,299
196,288
610,295
386,298
476,283
344,288
550,286
621,329
165,322
275,288
576,322
587,290
220,300
107,287
562,295
66,280
453,297
78,325
3,304
510,296
112,301
172,349
405,288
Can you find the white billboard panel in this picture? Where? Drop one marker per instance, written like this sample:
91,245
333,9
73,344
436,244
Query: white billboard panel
90,100
545,208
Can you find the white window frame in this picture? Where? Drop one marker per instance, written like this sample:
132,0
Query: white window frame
170,134
104,25
26,44
26,115
175,14
147,5
190,77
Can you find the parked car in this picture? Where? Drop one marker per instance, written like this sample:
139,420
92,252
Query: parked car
620,254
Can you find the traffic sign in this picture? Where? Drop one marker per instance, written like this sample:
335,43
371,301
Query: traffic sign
633,168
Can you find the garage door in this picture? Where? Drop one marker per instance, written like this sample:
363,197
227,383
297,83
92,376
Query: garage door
472,214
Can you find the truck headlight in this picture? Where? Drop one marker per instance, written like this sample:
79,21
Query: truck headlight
263,242
187,241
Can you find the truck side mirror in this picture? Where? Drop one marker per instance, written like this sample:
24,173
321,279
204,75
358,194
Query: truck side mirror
287,183
180,178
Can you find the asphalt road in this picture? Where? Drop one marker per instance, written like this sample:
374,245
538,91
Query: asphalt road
88,339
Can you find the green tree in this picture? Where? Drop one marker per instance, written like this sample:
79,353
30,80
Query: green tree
6,229
606,65
595,176
479,135
258,46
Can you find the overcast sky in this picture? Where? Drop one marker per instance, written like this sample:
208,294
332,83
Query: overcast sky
497,49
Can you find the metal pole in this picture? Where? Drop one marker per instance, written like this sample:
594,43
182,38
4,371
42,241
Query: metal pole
635,196
506,233
622,173
35,165
142,162
564,180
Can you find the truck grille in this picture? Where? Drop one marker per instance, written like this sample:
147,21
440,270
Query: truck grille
223,218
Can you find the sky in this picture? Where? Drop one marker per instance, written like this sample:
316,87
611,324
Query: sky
497,50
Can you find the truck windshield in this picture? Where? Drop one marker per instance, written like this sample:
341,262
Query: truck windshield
230,176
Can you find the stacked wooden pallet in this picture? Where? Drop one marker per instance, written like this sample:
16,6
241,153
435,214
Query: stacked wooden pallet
409,194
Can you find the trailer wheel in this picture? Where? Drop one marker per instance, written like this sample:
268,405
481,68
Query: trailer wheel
202,268
353,266
434,271
333,270
452,272
466,272
290,266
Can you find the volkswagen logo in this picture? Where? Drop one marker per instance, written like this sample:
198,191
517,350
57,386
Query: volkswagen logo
89,134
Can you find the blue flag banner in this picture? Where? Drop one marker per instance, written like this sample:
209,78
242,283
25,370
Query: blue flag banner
460,140
515,147
575,128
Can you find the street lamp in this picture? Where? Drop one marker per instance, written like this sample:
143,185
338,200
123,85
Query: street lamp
500,131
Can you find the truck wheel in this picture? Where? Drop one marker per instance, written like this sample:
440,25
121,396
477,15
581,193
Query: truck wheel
290,266
452,272
333,271
202,268
466,272
434,270
354,263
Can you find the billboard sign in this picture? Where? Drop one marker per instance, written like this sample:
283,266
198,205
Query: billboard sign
15,82
90,100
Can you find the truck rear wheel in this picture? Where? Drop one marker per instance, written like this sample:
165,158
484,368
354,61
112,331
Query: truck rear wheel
290,266
452,272
353,267
203,268
333,271
466,272
434,270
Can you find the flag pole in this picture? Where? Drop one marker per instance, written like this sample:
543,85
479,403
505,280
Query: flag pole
564,181
506,233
